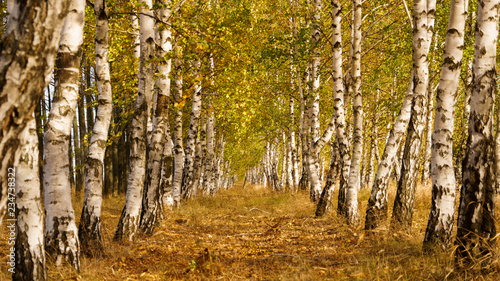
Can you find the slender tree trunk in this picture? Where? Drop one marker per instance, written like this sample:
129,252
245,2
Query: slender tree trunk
89,101
304,120
29,246
198,163
90,221
76,151
187,174
70,157
78,160
423,11
178,145
203,156
209,179
220,160
440,225
25,58
353,185
376,211
339,103
40,121
284,168
108,171
82,128
476,214
61,239
373,149
338,119
324,203
313,110
151,197
116,169
129,220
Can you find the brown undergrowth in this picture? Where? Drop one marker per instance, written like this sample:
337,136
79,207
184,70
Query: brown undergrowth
257,234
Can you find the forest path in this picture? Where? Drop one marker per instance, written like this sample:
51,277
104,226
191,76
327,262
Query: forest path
258,234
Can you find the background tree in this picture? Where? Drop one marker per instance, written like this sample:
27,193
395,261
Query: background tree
61,235
129,220
89,230
476,213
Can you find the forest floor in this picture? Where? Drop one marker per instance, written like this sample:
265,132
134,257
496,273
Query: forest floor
257,234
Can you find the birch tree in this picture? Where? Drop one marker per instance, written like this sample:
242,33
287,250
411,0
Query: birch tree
29,245
151,198
187,174
129,220
376,210
440,225
476,214
25,57
312,160
338,107
61,236
423,18
209,178
351,200
89,230
178,144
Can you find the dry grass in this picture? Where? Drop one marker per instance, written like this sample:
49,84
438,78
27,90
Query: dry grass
256,234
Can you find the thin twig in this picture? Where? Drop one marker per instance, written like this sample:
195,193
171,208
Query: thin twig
245,234
285,255
258,210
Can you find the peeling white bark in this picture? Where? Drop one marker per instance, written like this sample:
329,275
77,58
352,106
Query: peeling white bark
90,221
61,235
476,215
29,245
129,220
440,224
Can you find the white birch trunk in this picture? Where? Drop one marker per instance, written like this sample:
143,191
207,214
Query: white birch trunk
313,110
476,215
134,20
129,220
89,230
187,174
178,145
353,185
29,244
198,161
209,178
210,162
423,11
373,152
337,123
203,154
465,121
440,224
167,199
61,236
376,211
151,204
29,46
